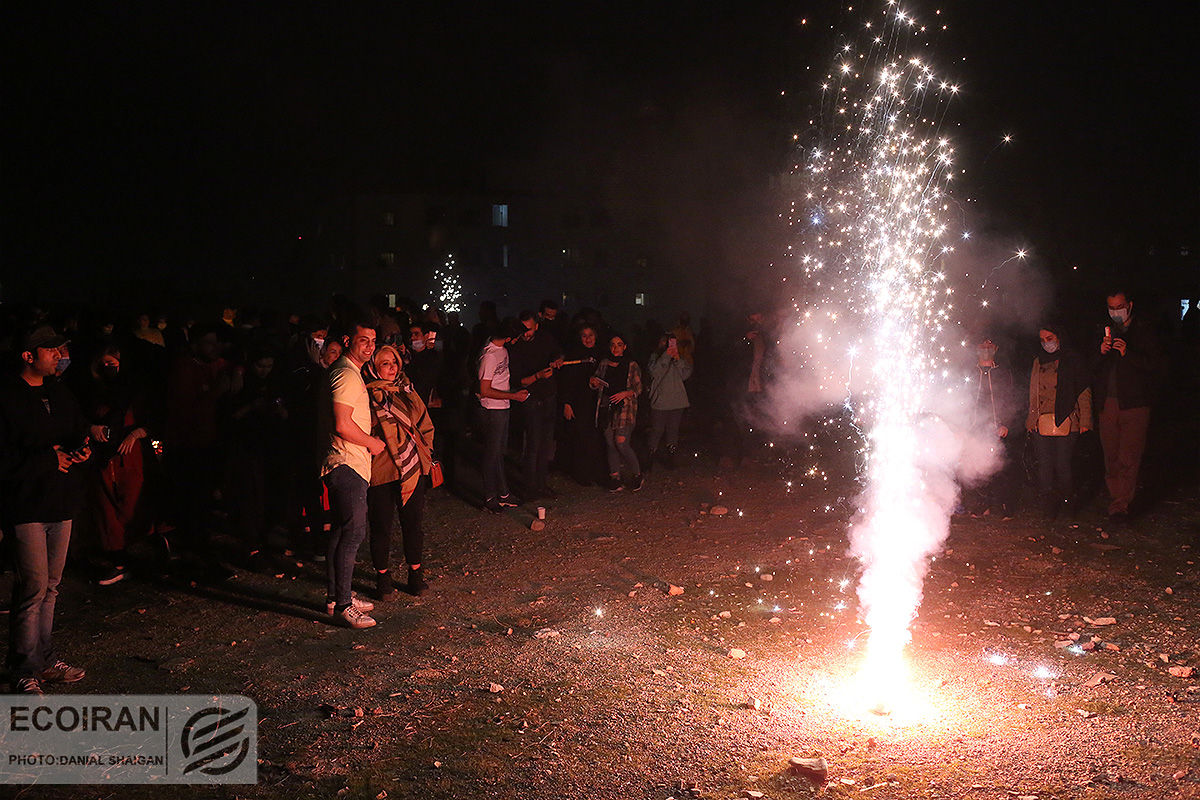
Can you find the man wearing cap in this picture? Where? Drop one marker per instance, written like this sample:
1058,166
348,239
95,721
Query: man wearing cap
42,443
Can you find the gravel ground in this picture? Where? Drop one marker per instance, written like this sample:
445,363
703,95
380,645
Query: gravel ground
562,663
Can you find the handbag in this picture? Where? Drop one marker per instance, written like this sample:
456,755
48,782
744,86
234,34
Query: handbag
435,475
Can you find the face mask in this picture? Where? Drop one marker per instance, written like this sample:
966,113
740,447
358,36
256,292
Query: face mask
1050,347
418,345
318,344
1119,315
63,363
109,372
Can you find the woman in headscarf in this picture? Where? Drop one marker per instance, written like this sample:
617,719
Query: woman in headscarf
400,474
618,381
1060,408
582,455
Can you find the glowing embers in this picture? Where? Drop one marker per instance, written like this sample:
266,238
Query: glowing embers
893,694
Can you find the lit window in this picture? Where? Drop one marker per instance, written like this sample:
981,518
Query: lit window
391,298
389,219
639,299
504,256
387,259
500,215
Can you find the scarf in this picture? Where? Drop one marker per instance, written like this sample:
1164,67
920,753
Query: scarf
615,371
403,421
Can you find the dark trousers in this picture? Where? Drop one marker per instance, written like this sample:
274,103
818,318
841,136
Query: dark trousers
1054,454
382,502
194,475
246,493
348,498
539,416
582,453
493,423
447,424
665,421
1123,435
40,553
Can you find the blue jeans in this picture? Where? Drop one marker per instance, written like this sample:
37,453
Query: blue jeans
620,450
348,499
494,424
41,551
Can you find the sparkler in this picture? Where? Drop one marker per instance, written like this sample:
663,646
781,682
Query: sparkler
871,249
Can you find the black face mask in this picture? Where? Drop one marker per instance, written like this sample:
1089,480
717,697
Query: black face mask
109,373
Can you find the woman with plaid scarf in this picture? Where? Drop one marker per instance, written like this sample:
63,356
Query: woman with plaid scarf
400,474
618,382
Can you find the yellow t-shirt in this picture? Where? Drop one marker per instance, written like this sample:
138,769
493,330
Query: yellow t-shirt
347,387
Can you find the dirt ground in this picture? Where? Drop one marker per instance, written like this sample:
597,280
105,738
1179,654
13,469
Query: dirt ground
613,687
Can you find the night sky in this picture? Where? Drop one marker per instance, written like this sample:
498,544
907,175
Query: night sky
153,139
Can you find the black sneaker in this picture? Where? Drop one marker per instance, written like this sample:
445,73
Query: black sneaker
111,575
615,485
492,505
508,501
638,482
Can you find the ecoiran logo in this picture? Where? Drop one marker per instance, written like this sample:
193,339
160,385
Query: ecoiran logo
129,739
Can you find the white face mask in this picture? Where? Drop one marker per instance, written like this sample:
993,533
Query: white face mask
1050,347
318,344
1119,315
418,345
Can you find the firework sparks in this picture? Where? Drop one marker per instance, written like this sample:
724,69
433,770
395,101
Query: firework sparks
871,249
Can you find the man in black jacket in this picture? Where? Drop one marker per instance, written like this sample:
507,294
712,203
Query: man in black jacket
1127,374
43,440
535,357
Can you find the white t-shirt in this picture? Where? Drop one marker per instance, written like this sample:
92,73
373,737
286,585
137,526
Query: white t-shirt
493,366
347,387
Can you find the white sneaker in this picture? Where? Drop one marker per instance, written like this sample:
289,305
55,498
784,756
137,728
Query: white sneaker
357,619
355,602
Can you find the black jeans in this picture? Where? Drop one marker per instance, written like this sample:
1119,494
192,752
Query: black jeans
1054,454
493,423
381,501
539,415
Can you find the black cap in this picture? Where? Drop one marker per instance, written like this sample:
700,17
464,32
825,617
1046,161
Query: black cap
42,336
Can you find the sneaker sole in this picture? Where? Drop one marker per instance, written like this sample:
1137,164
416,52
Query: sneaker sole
111,581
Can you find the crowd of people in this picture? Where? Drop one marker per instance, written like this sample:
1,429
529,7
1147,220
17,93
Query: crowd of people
310,434
317,433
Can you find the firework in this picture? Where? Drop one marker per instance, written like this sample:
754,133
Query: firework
875,323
